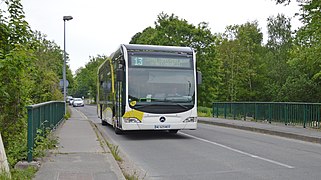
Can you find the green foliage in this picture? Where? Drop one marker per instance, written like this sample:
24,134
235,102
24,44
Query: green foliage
16,147
20,32
304,59
26,174
278,49
30,67
131,177
47,70
236,66
14,75
85,81
68,113
204,111
114,151
171,31
44,141
300,89
241,54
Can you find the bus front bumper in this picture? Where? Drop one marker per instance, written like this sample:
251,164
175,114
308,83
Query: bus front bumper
159,126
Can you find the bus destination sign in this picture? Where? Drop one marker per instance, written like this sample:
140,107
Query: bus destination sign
148,61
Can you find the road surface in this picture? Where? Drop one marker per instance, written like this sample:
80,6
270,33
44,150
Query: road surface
213,152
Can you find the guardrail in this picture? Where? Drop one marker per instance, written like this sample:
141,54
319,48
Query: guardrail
43,116
305,114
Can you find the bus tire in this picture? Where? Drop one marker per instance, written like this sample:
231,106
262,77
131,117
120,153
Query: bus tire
173,131
118,131
104,123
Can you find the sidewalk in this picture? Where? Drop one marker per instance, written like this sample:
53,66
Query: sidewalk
294,132
80,156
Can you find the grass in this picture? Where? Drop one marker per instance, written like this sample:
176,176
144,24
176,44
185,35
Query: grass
114,151
68,113
131,177
204,111
44,141
18,174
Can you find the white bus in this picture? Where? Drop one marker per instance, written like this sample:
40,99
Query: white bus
145,87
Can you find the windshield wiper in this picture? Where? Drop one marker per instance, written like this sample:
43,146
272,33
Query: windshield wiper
133,98
166,101
160,102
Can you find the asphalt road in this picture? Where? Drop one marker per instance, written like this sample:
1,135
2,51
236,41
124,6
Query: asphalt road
213,152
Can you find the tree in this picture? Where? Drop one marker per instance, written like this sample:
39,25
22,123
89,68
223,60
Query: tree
30,67
15,57
47,70
171,31
306,52
86,78
240,51
279,46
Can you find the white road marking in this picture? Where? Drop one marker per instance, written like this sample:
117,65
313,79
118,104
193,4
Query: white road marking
239,151
82,114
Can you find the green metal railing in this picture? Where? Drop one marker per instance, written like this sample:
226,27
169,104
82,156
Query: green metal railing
305,114
43,116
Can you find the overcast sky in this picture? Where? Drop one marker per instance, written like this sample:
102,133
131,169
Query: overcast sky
100,26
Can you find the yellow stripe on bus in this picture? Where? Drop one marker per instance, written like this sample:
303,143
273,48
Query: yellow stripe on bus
134,114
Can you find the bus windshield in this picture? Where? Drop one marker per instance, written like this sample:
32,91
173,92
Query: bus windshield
157,86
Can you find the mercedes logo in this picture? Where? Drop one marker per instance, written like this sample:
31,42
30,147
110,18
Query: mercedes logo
162,119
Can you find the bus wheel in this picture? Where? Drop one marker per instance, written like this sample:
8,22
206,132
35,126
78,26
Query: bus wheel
173,131
117,130
104,123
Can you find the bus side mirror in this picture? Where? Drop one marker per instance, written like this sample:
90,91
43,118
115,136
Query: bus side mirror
199,77
120,75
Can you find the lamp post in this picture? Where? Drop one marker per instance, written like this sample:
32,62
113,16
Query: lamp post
65,18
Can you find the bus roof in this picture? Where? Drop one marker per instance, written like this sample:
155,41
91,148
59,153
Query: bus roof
139,47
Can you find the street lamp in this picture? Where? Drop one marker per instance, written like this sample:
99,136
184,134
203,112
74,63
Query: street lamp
65,18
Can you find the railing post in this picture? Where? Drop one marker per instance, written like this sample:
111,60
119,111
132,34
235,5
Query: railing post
318,116
217,111
270,113
286,113
233,110
30,133
304,115
244,110
213,107
51,116
224,110
255,111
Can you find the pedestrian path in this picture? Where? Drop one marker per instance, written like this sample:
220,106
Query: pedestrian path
294,132
80,155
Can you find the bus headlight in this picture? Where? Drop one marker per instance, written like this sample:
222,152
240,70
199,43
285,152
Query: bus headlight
131,120
190,119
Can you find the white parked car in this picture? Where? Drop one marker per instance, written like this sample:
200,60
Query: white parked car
78,102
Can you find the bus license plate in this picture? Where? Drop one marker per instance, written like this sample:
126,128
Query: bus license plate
162,126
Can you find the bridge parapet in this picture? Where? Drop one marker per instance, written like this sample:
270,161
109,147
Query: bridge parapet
289,113
43,116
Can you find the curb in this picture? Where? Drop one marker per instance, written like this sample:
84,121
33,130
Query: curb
265,131
114,165
126,165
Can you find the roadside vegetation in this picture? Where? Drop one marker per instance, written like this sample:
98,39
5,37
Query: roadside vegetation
30,70
204,111
236,65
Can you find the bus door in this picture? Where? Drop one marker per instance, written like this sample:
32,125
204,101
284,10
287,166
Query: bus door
120,90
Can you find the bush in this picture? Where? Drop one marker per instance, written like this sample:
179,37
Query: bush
43,142
204,111
18,174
